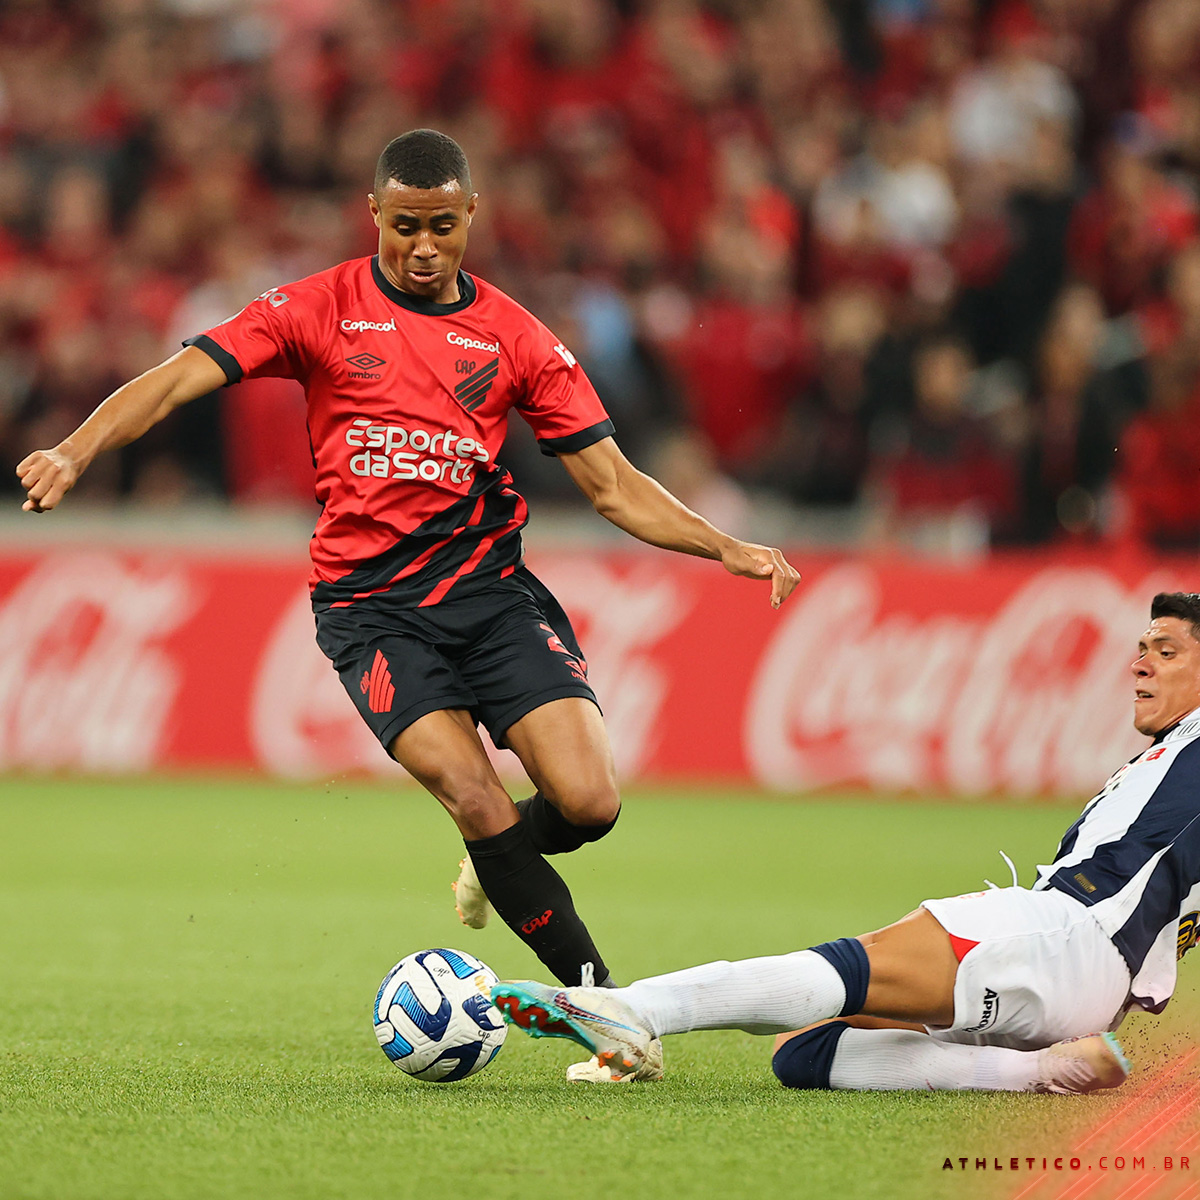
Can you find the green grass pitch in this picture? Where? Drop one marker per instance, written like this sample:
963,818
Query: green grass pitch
189,966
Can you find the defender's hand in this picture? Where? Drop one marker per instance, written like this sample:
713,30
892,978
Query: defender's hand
762,562
47,475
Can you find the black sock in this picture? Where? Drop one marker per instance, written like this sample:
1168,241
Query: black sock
552,833
535,903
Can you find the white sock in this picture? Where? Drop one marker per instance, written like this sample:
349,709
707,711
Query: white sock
887,1059
759,995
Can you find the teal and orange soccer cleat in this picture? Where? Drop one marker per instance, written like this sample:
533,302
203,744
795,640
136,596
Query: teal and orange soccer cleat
593,1017
651,1071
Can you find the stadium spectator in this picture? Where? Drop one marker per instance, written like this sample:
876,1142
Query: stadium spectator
998,104
945,474
1126,230
741,353
1165,44
1174,316
1083,387
1159,455
822,453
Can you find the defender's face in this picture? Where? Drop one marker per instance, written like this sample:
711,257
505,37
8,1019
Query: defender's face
422,237
1167,675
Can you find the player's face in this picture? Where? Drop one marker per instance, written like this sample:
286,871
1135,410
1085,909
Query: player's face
422,237
1166,674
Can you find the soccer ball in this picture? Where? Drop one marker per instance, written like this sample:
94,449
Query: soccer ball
434,1017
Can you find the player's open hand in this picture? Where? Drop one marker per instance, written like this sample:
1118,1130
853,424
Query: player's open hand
47,475
763,562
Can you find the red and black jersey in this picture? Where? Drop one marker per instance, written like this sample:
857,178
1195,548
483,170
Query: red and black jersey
408,406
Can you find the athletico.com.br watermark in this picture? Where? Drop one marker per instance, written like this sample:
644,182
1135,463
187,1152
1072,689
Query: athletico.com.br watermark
1106,1162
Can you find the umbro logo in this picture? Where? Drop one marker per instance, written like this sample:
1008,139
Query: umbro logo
473,390
364,363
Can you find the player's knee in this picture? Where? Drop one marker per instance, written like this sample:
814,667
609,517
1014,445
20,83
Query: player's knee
806,1060
587,798
474,803
591,806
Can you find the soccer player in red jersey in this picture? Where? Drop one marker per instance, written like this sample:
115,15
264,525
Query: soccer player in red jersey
410,367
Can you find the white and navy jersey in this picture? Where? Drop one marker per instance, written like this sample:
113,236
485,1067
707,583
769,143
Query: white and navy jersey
1133,857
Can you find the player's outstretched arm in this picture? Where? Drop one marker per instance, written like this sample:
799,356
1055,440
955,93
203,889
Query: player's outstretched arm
48,475
640,505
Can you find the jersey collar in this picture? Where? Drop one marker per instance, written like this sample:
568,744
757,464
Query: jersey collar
417,304
1186,726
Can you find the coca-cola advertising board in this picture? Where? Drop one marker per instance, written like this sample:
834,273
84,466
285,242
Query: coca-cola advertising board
1010,675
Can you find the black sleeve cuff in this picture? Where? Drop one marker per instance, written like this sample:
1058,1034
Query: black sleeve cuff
223,359
552,447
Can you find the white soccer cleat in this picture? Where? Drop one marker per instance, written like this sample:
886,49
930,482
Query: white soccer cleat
470,900
593,1071
593,1017
1084,1064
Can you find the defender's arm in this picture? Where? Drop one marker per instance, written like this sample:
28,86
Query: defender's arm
47,475
641,506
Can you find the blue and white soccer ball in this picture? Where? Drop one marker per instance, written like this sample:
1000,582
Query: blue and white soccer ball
434,1016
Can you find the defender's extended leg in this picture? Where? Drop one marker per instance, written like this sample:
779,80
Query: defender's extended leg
836,1055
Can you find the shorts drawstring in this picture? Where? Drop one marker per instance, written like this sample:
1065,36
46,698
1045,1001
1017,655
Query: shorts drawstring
1012,867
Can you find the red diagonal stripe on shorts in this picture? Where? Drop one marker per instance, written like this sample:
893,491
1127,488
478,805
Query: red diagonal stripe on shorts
373,694
386,691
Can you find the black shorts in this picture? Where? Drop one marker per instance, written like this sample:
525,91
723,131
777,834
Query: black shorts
499,652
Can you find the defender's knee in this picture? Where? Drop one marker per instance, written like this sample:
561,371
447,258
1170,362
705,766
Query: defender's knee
805,1060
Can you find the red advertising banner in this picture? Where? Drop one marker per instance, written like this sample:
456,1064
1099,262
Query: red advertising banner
1011,675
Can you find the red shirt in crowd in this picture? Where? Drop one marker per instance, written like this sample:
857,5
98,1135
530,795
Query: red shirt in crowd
740,365
1159,476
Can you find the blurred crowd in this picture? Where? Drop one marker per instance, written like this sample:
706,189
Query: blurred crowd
933,261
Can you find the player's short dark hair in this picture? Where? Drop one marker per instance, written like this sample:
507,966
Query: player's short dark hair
422,158
1184,605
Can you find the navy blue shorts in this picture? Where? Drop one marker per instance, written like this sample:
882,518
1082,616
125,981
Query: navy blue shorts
499,652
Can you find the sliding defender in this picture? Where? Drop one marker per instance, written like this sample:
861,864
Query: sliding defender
1011,989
